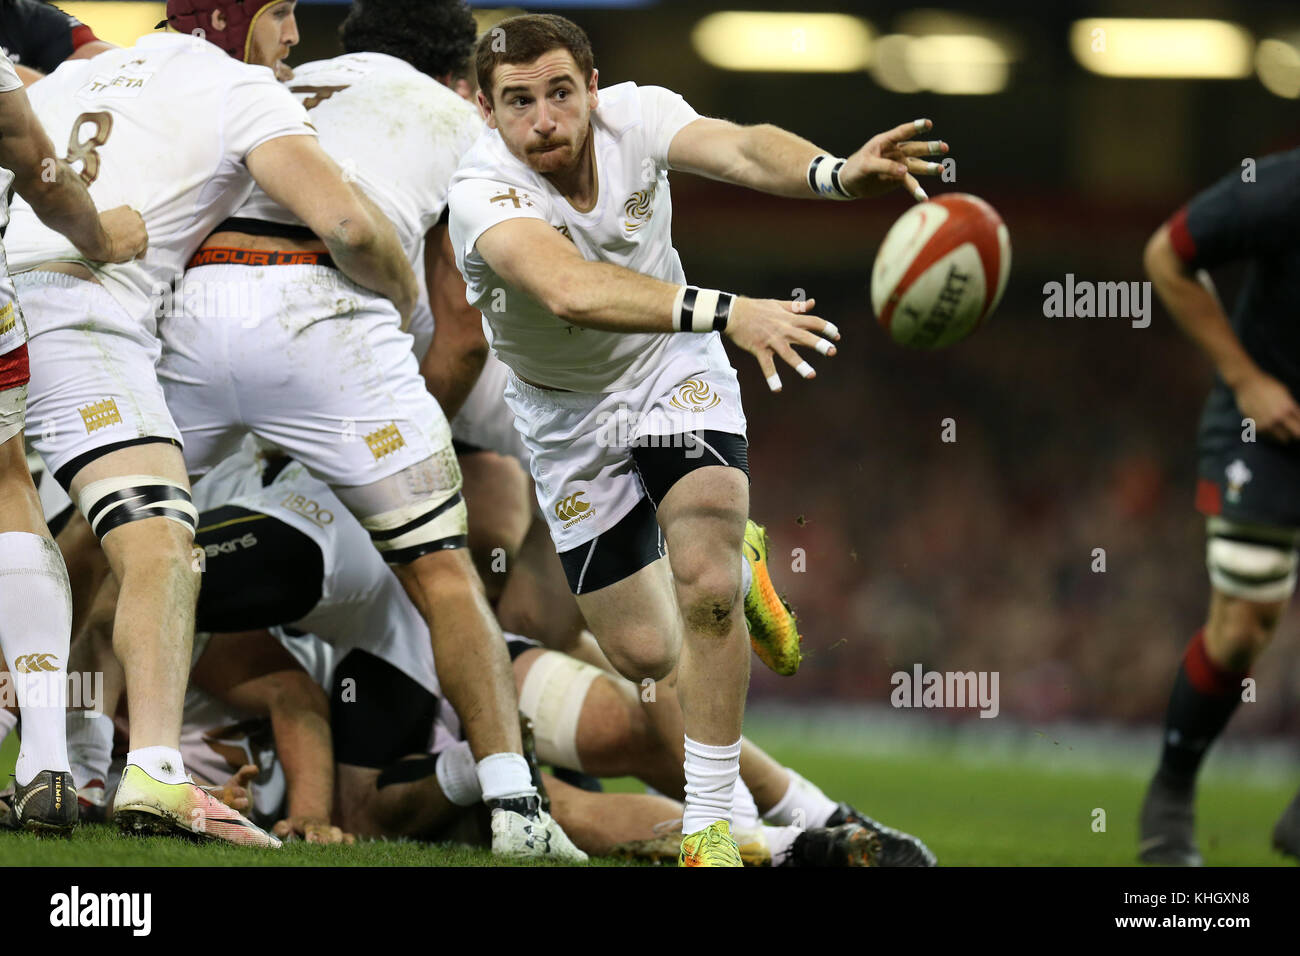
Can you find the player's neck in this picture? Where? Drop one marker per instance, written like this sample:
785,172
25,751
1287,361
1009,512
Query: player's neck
580,185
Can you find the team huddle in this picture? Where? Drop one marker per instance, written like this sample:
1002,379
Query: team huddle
288,391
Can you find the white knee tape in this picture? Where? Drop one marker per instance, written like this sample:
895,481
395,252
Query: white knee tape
1252,571
403,534
552,698
13,412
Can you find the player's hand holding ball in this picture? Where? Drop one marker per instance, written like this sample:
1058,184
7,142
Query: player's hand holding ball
767,328
892,159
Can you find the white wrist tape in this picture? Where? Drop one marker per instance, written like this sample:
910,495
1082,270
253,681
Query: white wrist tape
701,310
824,177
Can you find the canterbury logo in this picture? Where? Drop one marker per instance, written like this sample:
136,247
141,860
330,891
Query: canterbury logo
694,396
639,208
571,507
30,663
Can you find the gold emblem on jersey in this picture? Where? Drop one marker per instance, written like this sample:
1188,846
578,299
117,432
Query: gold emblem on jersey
100,415
8,318
385,441
694,395
31,663
573,509
511,195
639,208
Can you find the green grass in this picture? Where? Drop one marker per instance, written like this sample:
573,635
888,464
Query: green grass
1000,814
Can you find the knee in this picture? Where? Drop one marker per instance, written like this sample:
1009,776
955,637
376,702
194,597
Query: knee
709,595
639,654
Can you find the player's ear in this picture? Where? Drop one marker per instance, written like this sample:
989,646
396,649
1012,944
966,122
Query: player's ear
218,20
485,108
592,85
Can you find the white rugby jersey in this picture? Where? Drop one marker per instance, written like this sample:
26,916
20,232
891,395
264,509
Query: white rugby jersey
630,226
398,132
12,331
164,127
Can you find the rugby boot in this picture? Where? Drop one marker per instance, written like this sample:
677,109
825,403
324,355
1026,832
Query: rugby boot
1167,826
147,806
522,829
773,629
712,846
47,805
849,844
896,847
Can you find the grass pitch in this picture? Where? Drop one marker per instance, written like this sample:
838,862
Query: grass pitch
1010,813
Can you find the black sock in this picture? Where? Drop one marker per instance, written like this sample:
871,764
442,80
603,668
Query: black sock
1203,700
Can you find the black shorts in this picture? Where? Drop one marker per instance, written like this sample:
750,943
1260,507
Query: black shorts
1254,482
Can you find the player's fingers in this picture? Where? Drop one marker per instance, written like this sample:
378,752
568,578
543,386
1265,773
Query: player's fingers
769,370
800,306
926,147
914,188
349,838
804,337
793,359
245,773
903,131
923,167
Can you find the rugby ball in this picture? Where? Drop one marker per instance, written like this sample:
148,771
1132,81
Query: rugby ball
941,271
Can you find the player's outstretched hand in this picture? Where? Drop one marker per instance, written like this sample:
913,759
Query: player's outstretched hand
124,236
892,159
1273,408
767,328
311,829
234,792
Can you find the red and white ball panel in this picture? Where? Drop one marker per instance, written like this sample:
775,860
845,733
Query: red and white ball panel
941,271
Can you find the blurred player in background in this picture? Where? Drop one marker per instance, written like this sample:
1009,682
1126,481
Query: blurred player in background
38,36
35,605
561,219
1249,450
195,131
323,370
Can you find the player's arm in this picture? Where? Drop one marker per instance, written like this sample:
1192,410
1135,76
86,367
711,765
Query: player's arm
57,194
772,160
27,74
533,257
251,671
1234,219
301,177
459,349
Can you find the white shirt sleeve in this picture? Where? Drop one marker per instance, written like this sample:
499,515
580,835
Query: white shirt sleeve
9,80
663,114
479,204
258,109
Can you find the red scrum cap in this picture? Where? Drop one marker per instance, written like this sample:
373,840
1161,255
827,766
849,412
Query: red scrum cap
186,16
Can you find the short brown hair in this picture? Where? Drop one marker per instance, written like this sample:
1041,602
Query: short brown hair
523,39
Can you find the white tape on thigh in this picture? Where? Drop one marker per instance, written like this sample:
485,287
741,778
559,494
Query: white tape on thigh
1251,571
13,412
552,697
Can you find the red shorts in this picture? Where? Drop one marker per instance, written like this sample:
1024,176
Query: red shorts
14,370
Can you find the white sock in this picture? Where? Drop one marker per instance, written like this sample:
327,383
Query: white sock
505,775
802,806
744,812
161,763
457,775
90,746
746,578
8,721
780,840
35,630
711,775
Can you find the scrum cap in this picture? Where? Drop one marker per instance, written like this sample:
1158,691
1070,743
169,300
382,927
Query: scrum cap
186,16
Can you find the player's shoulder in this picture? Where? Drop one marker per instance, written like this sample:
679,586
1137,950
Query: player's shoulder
489,159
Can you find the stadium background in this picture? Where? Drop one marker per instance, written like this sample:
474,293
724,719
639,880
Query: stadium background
1072,434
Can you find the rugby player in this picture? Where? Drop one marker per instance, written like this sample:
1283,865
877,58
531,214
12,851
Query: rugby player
35,610
38,36
281,547
1249,467
620,386
183,130
322,369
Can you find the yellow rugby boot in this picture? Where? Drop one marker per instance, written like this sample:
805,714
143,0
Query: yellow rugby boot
773,630
147,806
712,846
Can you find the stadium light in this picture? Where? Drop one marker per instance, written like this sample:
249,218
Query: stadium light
1168,48
120,23
1278,65
951,64
784,42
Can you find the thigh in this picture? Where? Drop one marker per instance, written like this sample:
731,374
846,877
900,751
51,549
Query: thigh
703,516
93,386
